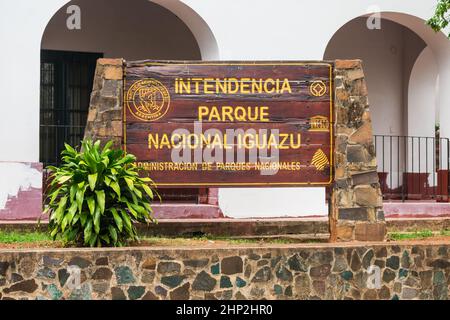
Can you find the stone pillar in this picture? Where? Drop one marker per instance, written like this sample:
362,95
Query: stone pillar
356,202
105,110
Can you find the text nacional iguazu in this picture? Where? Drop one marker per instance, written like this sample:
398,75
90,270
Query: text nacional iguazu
232,138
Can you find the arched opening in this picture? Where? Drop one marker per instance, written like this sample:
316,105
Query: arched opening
388,56
401,63
133,30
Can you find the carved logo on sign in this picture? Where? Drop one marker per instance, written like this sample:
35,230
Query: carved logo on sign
318,88
320,160
319,123
148,99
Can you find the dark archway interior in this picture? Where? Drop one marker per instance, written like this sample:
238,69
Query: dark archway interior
138,30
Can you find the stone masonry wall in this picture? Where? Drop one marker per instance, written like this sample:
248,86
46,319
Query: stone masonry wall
413,271
357,200
106,106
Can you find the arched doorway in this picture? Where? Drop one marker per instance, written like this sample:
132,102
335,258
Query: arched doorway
401,63
133,30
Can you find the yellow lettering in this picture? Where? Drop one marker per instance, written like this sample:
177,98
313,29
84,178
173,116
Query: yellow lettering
245,85
230,86
286,86
208,86
202,111
266,89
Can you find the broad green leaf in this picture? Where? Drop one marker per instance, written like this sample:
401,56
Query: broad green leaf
83,218
73,209
139,208
97,216
80,198
90,162
93,240
62,203
131,173
75,219
105,162
107,146
147,190
107,180
91,204
112,233
133,212
101,199
64,223
69,148
92,180
88,231
63,179
126,219
105,238
129,158
138,192
115,186
148,207
117,219
133,196
73,191
129,182
54,232
54,195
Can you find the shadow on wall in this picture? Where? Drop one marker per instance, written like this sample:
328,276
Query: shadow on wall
143,31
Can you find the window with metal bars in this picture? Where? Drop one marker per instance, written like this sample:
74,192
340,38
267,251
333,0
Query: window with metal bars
66,85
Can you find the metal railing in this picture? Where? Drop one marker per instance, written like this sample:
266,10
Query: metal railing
52,139
413,168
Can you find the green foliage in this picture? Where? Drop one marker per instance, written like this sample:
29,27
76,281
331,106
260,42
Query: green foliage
441,17
411,235
96,195
21,237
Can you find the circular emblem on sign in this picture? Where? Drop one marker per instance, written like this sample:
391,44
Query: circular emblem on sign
148,99
318,88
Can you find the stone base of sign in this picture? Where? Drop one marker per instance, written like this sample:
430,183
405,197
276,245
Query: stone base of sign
356,200
356,212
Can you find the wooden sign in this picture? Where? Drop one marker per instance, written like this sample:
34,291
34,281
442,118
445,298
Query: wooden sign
230,123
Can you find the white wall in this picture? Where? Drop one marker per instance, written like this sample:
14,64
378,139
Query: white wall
244,30
422,115
422,95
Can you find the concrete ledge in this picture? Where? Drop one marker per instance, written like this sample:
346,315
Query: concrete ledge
419,209
317,227
417,224
186,211
412,270
216,227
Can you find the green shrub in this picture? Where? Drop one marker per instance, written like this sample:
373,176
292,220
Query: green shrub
96,195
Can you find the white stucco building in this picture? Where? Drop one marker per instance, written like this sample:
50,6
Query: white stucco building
407,66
